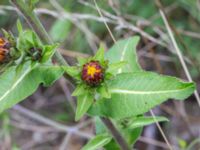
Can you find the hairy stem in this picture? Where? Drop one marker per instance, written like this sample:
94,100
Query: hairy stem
37,26
116,134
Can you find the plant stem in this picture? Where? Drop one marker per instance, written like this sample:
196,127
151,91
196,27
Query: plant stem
116,134
36,25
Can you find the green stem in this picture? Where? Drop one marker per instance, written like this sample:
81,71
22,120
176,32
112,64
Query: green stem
37,26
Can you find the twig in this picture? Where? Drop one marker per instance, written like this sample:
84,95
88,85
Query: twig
30,127
74,54
155,142
99,11
161,131
67,94
124,24
178,51
79,17
51,123
116,135
65,142
91,38
196,141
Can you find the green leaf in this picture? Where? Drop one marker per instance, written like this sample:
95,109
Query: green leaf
19,26
28,39
46,74
82,61
60,29
136,93
100,54
48,51
112,145
17,83
72,71
36,40
144,121
97,142
99,126
131,135
125,50
182,143
80,90
112,68
104,91
83,104
32,3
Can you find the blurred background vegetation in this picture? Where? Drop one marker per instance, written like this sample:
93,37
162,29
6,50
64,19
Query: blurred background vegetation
78,28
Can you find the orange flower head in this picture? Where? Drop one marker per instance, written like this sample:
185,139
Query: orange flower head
4,49
3,55
92,73
4,43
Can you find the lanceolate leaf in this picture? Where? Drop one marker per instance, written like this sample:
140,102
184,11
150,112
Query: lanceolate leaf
112,145
130,134
136,93
104,91
48,51
19,83
144,121
97,142
60,29
84,103
100,54
46,74
116,66
72,71
125,50
19,26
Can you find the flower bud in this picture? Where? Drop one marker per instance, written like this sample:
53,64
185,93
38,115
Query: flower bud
35,53
92,73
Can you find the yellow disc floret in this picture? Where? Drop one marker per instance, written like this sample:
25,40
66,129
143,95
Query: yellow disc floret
92,70
92,73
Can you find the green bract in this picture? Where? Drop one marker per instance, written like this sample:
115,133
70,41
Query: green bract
25,74
31,48
88,94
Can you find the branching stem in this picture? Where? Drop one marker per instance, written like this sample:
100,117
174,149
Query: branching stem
37,26
116,134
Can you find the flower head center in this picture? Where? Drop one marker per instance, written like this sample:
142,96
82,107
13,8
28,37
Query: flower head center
2,42
92,73
92,70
